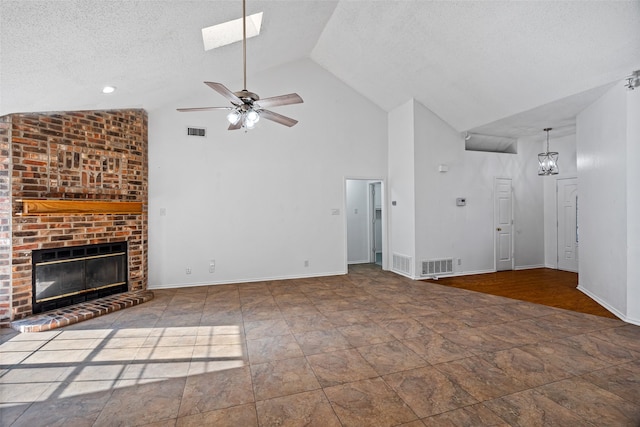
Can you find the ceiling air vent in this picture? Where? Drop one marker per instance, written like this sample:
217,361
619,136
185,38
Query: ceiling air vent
191,131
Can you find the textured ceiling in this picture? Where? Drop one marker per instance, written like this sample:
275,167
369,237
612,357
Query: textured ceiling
496,67
475,62
57,55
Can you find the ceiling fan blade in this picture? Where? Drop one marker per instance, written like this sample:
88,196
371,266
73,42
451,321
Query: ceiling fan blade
237,126
292,98
222,90
278,118
182,110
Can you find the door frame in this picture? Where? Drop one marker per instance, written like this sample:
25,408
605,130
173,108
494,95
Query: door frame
383,204
493,228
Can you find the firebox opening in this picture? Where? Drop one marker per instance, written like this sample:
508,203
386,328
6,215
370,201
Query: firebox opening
71,275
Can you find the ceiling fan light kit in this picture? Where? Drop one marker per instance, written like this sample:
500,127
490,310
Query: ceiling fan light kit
247,107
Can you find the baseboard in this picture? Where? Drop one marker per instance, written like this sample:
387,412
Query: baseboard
403,274
471,273
553,266
606,305
359,262
241,281
455,274
632,320
530,267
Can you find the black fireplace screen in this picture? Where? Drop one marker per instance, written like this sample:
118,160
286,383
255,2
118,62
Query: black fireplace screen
66,276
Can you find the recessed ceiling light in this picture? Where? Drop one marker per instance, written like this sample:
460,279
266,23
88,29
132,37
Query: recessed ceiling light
230,31
108,89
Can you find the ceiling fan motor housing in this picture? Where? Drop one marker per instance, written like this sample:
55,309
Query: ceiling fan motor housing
247,96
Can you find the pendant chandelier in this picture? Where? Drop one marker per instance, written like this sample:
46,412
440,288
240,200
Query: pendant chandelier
548,162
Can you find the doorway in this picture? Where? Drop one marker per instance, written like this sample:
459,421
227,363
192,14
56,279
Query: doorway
567,214
503,224
364,207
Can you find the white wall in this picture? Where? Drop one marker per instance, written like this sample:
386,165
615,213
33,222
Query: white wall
401,182
357,213
633,206
602,215
528,195
566,148
445,230
259,203
435,143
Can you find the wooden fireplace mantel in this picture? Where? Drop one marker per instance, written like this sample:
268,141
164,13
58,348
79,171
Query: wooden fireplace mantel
52,207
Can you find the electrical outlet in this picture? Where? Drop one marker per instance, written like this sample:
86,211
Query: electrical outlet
212,266
459,261
188,270
306,263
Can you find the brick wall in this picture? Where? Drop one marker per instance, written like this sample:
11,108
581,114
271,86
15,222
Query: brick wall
87,155
5,221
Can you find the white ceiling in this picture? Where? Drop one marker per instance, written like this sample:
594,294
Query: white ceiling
496,67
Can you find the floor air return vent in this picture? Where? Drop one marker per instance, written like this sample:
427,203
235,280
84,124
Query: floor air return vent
437,267
402,264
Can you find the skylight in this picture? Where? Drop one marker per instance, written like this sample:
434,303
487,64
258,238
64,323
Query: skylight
230,31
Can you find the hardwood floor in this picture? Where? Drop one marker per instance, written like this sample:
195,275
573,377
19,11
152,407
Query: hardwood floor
545,286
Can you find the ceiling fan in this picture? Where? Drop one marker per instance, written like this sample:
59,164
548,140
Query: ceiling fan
247,107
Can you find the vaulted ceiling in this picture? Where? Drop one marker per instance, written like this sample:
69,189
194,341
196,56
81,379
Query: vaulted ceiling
497,67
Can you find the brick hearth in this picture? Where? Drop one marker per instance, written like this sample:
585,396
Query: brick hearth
79,312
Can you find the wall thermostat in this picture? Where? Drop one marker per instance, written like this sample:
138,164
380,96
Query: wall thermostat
461,201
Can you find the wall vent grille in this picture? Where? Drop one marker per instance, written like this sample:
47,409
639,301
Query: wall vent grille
401,264
437,267
196,131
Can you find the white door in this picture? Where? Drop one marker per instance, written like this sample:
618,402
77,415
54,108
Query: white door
503,224
567,193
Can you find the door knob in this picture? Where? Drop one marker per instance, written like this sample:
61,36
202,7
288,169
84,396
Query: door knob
498,229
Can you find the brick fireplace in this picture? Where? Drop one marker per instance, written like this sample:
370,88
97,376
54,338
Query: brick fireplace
76,157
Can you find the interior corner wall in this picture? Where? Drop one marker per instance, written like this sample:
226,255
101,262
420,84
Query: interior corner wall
633,206
528,195
436,143
401,181
601,134
261,203
466,233
566,148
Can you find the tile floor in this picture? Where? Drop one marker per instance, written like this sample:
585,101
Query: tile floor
367,349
